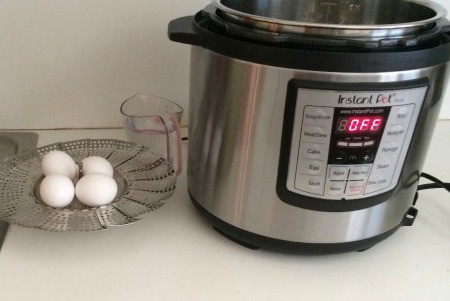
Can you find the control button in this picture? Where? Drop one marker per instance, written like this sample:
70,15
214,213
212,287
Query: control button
360,172
382,165
318,116
355,144
353,159
369,143
311,184
354,187
402,114
367,157
335,188
315,183
315,134
395,132
342,143
339,157
311,151
390,148
377,182
338,173
311,167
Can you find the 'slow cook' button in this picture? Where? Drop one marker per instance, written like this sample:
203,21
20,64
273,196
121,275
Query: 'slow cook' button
377,182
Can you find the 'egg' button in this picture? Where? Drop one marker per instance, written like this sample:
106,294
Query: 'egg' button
312,167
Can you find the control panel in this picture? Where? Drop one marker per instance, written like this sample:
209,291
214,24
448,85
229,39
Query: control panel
351,143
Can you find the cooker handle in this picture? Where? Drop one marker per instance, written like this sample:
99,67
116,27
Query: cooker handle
183,30
446,32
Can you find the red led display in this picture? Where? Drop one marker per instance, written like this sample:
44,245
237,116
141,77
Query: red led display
360,124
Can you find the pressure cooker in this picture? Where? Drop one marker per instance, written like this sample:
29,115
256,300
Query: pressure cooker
309,120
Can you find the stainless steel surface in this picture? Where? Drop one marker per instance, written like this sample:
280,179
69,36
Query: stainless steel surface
10,144
144,180
236,116
367,19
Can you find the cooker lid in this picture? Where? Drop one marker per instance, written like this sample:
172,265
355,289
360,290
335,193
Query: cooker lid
356,19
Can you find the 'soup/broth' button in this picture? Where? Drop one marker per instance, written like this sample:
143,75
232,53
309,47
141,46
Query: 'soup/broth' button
318,116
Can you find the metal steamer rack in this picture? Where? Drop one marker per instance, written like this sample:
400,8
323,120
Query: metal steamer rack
144,179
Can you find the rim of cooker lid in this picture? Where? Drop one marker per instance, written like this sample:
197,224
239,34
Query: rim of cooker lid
271,24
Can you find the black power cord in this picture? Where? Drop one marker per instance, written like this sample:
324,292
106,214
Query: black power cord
436,183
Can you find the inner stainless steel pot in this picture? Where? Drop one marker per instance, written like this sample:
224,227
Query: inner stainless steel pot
344,18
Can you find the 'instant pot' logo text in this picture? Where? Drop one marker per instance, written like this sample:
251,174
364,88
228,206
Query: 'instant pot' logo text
364,100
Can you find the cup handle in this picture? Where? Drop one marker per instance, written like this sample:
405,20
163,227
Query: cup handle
173,134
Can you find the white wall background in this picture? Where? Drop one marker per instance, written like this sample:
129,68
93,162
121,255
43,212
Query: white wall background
69,64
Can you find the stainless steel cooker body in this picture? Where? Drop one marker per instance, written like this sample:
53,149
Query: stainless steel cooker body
248,114
236,124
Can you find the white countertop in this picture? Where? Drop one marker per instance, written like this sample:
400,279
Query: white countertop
173,254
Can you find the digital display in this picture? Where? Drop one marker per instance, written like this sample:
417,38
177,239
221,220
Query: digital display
359,124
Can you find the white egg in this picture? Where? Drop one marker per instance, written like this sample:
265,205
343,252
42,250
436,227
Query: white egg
96,164
57,191
96,189
59,163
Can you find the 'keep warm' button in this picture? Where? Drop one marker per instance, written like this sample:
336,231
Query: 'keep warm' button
355,187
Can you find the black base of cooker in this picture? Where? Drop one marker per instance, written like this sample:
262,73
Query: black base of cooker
256,241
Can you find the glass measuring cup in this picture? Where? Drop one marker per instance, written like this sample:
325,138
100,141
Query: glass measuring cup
154,122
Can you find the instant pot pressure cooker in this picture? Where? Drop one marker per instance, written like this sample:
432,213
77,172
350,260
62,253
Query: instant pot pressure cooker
310,119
